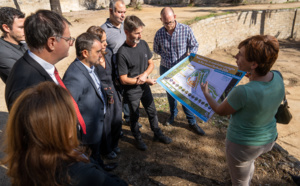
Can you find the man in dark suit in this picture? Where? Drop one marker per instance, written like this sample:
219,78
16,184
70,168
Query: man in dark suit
86,89
48,37
11,46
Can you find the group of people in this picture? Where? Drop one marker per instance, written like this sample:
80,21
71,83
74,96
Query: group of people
59,129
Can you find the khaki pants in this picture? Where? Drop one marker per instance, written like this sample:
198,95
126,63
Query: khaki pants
240,161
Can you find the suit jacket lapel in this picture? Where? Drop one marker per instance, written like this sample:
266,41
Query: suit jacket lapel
87,75
37,66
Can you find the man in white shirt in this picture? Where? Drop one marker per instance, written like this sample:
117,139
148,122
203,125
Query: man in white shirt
48,38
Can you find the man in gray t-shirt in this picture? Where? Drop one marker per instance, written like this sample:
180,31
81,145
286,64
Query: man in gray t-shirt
115,35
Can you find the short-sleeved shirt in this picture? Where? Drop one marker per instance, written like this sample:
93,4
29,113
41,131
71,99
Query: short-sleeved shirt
133,61
256,104
115,37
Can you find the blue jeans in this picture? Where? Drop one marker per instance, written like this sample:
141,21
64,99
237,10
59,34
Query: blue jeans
173,103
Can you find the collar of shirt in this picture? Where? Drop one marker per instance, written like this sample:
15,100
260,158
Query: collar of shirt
20,46
96,81
110,25
49,68
91,73
175,30
89,69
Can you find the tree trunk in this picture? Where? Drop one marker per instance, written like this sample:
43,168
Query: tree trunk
17,5
55,6
133,3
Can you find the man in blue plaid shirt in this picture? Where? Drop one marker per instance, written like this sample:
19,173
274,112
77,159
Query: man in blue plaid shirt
173,42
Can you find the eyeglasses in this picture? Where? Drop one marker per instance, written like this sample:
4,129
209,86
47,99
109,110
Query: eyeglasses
168,23
70,40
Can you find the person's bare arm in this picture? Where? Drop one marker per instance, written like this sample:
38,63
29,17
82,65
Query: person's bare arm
222,109
125,80
142,78
150,81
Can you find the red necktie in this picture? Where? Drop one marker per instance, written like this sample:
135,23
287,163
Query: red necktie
79,116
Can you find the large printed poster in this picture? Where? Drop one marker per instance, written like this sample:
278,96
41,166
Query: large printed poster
183,82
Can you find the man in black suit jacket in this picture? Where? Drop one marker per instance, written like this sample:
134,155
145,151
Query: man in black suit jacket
85,87
48,37
11,47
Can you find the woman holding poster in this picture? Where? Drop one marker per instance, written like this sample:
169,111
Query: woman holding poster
252,128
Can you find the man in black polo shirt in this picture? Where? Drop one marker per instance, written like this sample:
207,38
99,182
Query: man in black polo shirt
135,64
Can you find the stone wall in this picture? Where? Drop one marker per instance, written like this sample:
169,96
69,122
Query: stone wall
28,6
196,2
267,1
202,2
228,30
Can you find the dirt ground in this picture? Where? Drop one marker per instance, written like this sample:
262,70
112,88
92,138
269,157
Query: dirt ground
193,159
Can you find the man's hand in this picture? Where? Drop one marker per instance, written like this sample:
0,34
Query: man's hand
151,81
141,79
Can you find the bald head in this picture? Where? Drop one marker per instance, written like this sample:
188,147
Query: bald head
167,11
168,17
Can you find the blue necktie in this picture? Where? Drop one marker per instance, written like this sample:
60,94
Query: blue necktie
99,89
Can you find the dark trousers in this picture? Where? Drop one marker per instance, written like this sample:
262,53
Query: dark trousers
112,125
126,110
95,155
148,102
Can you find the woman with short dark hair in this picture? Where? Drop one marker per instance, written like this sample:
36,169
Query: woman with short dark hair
41,142
252,127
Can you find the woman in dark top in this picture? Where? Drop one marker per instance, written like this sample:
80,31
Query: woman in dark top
41,142
106,71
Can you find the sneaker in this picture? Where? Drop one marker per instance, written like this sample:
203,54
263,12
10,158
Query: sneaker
112,155
117,150
162,138
170,120
140,144
195,127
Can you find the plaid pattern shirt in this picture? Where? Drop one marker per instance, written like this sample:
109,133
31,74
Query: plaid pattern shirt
173,48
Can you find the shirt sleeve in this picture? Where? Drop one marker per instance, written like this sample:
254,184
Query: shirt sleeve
149,53
156,46
122,64
192,42
237,98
